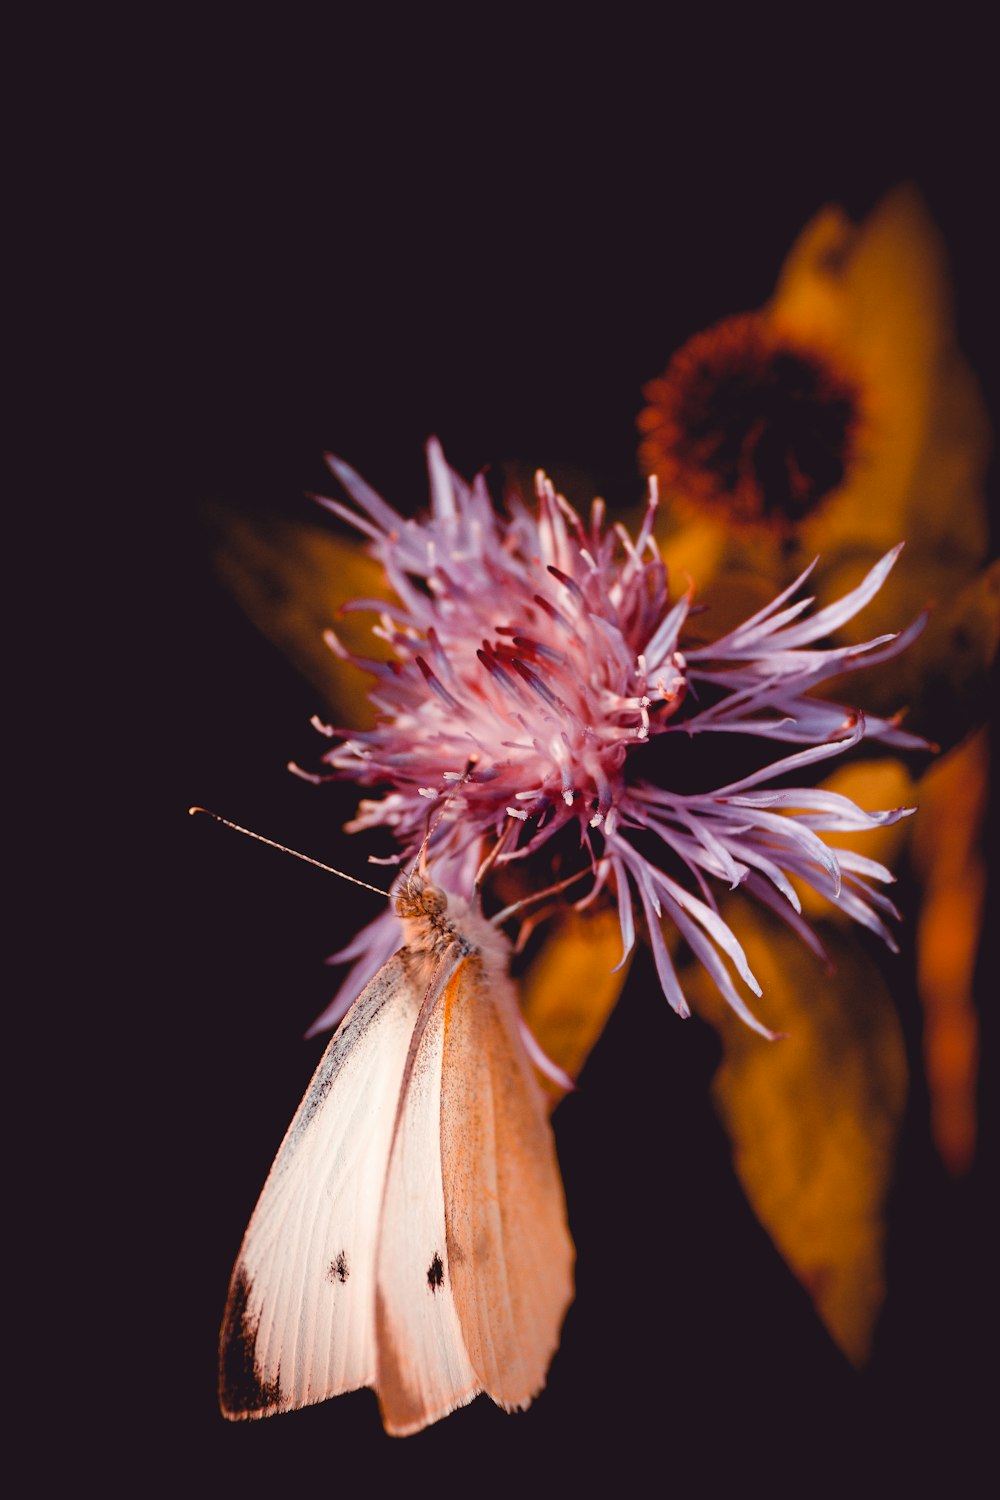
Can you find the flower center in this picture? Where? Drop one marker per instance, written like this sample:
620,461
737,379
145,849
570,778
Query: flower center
746,421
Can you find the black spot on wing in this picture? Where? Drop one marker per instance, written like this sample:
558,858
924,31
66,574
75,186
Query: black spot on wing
339,1270
435,1273
242,1391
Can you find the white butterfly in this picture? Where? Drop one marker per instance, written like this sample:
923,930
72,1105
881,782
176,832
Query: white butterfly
411,1235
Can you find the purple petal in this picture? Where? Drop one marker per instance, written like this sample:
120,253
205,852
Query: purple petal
364,495
830,619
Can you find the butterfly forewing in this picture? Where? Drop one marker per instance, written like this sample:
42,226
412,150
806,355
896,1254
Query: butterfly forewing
299,1324
509,1247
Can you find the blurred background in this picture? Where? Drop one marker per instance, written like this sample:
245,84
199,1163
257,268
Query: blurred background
497,239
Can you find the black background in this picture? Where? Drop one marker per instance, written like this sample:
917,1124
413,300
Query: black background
348,242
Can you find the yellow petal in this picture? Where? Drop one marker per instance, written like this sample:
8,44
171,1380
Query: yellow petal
569,991
692,546
877,299
813,1118
873,785
735,574
947,853
943,680
291,580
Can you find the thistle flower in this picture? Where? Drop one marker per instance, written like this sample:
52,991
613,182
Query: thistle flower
540,671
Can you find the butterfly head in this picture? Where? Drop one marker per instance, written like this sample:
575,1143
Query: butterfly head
417,897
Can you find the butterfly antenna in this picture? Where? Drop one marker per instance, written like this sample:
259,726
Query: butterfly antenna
307,859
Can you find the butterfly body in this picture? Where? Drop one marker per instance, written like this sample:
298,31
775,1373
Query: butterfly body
411,1235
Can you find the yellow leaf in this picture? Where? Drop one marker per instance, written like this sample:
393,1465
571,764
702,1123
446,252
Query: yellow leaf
569,991
291,579
813,1118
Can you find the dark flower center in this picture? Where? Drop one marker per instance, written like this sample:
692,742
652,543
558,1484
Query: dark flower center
744,420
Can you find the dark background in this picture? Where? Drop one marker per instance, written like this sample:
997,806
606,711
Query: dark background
345,242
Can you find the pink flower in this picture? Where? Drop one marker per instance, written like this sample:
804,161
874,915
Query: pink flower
539,676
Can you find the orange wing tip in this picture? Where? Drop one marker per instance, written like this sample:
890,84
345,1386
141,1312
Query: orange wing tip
408,1428
520,1403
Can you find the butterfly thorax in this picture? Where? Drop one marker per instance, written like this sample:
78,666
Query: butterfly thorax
436,923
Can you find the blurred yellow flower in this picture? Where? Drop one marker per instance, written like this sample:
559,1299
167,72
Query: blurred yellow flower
877,297
753,421
864,426
837,420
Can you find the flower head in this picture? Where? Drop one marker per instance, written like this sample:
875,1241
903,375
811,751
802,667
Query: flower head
837,417
753,422
541,668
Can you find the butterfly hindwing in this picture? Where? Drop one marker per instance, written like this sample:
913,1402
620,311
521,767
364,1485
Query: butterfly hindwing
423,1368
509,1246
299,1324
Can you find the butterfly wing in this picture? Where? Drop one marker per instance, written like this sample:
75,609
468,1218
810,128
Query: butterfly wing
299,1323
411,1234
424,1370
509,1248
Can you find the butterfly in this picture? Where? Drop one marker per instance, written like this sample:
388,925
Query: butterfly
411,1235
